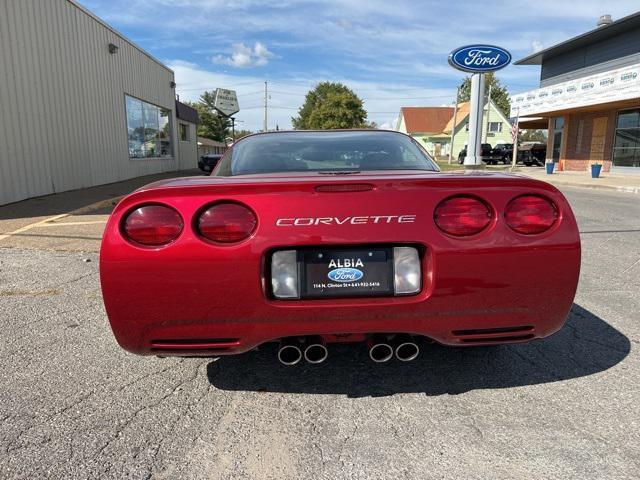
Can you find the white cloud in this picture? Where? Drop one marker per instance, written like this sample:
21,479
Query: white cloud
536,46
243,56
382,100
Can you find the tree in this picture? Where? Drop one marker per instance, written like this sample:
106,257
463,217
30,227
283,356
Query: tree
532,136
212,125
329,106
242,133
499,93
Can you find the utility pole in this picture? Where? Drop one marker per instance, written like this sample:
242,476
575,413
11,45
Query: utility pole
453,128
265,106
486,133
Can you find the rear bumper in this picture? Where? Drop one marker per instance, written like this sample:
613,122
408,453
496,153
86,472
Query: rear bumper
470,298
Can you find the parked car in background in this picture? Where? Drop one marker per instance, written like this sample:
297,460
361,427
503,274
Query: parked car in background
208,162
532,154
502,152
310,238
486,151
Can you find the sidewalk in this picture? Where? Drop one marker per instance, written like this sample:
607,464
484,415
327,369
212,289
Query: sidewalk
629,183
68,221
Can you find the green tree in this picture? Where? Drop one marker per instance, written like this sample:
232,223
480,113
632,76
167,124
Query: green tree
329,106
242,133
499,93
532,136
212,125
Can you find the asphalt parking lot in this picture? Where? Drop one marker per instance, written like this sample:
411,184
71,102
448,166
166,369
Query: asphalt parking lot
74,405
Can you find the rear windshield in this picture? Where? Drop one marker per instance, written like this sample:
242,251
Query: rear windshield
324,152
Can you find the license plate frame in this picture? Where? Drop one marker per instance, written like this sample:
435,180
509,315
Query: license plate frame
375,264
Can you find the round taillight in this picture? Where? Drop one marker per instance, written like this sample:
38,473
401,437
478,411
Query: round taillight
153,225
462,216
530,214
226,223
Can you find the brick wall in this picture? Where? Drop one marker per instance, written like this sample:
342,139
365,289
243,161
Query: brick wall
589,137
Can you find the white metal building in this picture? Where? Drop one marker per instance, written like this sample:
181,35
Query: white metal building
80,104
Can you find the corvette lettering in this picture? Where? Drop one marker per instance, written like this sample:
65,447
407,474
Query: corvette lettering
355,220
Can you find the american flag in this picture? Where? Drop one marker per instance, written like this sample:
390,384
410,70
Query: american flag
514,130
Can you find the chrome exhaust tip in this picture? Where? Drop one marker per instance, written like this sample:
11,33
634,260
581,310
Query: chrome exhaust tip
380,352
289,354
316,353
407,351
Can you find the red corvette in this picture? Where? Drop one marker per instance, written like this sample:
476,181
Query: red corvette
308,238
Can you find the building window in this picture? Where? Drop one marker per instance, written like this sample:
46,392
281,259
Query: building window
495,127
148,129
626,151
184,132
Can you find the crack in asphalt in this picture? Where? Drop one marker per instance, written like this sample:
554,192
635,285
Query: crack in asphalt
138,411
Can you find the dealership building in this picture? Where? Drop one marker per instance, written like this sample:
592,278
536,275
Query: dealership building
589,97
82,105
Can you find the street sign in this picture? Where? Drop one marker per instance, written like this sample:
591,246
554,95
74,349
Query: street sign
479,58
226,102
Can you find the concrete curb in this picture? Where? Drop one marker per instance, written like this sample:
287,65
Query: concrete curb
593,186
109,202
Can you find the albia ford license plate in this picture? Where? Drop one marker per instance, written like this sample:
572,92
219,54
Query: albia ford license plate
347,272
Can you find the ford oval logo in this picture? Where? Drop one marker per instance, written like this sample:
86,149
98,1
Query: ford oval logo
345,275
479,58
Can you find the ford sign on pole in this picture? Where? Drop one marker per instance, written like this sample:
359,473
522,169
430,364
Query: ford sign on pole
477,60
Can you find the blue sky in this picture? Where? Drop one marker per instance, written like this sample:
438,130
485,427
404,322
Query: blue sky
391,53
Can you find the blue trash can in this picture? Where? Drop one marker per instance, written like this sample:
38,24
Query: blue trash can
595,170
550,166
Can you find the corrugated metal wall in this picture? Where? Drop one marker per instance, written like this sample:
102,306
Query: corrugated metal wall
62,115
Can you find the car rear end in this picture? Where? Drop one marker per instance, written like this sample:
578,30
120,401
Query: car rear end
216,266
208,163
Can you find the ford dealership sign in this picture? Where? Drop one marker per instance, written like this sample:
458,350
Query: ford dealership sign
479,58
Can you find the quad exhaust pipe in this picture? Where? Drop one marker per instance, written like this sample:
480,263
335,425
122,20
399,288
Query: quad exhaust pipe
292,350
314,350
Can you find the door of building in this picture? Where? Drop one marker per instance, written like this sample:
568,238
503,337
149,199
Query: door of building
558,126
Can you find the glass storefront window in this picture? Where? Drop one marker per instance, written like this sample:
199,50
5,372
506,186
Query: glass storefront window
148,129
626,151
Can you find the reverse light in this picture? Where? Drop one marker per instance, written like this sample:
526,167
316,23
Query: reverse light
530,214
407,277
284,274
462,216
226,223
152,225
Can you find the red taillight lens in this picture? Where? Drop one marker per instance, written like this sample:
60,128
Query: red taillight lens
153,225
530,214
226,223
462,216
